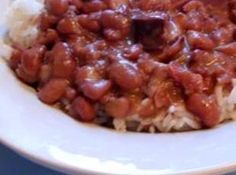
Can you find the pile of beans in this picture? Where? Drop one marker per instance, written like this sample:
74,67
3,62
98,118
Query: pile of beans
123,57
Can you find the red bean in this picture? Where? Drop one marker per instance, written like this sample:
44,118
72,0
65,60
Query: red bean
153,5
57,7
161,96
178,4
206,108
111,19
45,73
232,10
70,93
118,107
223,35
171,31
15,59
86,73
193,5
181,20
91,54
146,64
69,25
95,90
63,62
48,20
31,60
171,51
161,88
192,82
126,75
113,34
52,91
77,3
212,64
133,52
94,6
24,76
83,109
147,108
50,36
114,4
229,49
200,40
88,23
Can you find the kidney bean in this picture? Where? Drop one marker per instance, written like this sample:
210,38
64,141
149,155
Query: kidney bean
57,7
223,35
192,82
52,91
193,5
211,64
86,73
153,5
69,25
209,85
101,67
63,63
50,36
171,31
181,20
70,93
146,64
125,75
95,90
161,88
83,109
161,99
31,60
113,34
147,108
133,52
90,54
115,4
15,59
24,76
48,20
88,23
111,19
77,3
232,10
177,4
118,107
94,6
195,22
100,44
171,51
229,49
206,108
200,40
45,73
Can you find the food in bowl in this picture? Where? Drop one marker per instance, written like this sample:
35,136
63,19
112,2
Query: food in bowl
136,65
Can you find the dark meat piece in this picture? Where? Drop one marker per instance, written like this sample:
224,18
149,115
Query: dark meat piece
149,29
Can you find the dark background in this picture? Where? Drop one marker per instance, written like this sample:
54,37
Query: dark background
13,164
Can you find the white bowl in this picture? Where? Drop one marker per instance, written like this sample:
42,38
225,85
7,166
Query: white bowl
49,137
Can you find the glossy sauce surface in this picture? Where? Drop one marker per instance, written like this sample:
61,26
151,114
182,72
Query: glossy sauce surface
125,57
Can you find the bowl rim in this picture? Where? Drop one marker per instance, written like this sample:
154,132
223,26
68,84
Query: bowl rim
59,167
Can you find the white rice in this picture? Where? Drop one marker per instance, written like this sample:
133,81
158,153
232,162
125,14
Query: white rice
22,22
177,118
5,50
